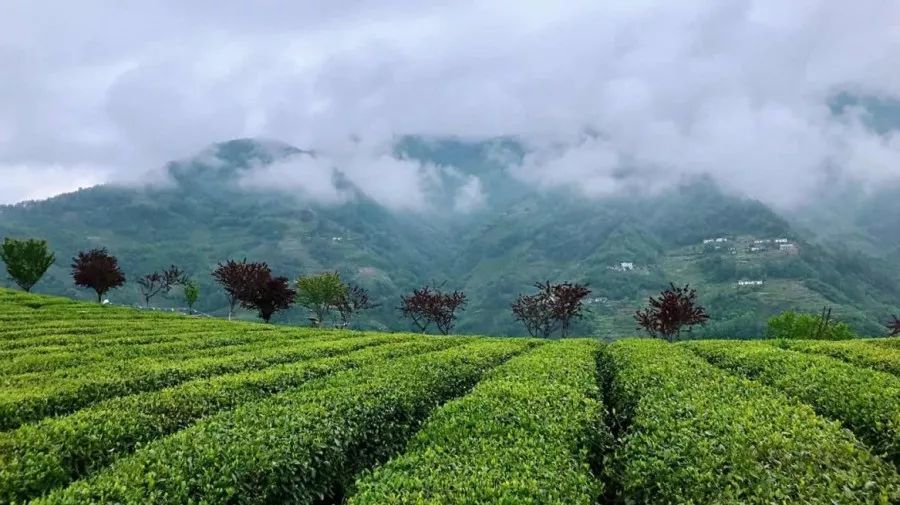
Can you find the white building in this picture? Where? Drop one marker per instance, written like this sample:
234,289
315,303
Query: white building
781,241
626,265
721,239
750,283
708,240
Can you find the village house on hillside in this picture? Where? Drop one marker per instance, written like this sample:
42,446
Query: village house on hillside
789,248
624,266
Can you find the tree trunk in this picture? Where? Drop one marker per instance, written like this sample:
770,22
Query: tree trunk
99,297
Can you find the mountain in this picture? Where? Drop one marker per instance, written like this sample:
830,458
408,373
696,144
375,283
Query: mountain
626,247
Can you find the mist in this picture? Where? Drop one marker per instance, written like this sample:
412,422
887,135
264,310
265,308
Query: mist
606,97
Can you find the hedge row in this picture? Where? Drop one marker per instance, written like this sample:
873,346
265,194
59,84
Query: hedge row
866,401
857,352
526,434
299,447
888,343
148,355
64,396
37,458
69,357
696,434
122,333
26,344
35,343
136,367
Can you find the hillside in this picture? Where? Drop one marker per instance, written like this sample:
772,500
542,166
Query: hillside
516,236
109,405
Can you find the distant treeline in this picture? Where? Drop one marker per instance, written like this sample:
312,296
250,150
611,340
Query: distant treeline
548,312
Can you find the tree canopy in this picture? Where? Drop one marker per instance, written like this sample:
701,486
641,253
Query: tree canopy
236,277
267,294
98,270
552,308
674,309
160,282
26,260
429,305
320,294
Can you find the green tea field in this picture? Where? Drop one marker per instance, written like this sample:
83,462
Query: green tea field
101,404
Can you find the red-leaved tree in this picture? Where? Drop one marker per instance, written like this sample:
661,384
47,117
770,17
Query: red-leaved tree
354,300
236,277
553,307
98,270
160,282
267,294
667,315
894,326
427,305
536,312
568,303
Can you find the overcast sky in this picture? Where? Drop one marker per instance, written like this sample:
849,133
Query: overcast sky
609,95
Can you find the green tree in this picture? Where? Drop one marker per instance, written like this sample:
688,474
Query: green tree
320,294
26,260
191,294
808,326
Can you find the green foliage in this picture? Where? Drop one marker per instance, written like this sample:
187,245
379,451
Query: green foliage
191,294
300,446
115,405
28,398
519,236
526,434
684,422
796,325
865,401
38,457
858,352
26,260
321,294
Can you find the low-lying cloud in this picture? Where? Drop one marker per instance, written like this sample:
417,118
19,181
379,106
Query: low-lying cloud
608,96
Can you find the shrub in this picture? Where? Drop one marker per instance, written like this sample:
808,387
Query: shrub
807,327
301,446
692,433
857,352
68,391
865,401
526,434
36,458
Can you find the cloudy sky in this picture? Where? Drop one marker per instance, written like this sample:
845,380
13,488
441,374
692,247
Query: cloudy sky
608,95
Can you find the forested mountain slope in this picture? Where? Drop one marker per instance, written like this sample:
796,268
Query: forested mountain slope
516,235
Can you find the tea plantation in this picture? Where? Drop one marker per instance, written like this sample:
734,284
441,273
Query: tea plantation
101,404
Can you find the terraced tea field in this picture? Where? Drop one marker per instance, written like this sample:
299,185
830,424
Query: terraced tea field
109,405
